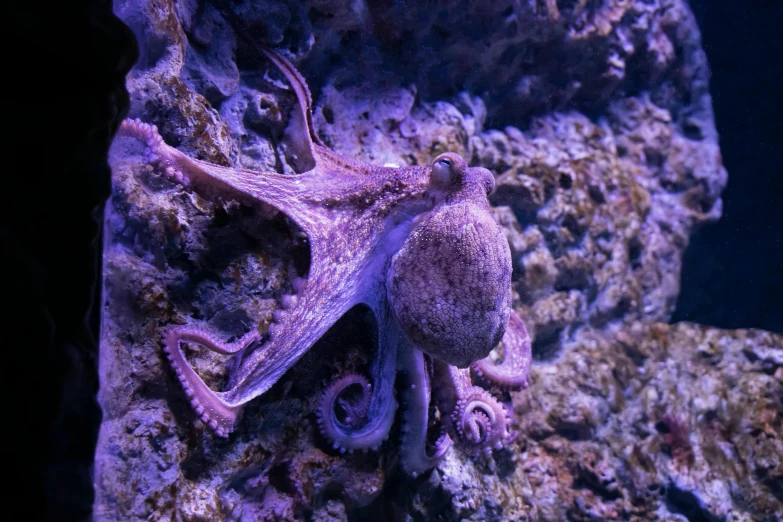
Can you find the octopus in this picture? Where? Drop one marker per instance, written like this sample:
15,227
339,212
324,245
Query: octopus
417,246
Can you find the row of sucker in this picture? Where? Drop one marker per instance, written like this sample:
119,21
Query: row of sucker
481,421
152,155
339,413
212,412
286,304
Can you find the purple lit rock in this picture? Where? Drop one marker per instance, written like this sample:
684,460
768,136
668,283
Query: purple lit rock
595,120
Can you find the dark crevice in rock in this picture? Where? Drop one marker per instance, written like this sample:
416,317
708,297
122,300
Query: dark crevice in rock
739,259
546,344
685,503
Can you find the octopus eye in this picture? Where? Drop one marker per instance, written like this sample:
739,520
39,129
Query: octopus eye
442,171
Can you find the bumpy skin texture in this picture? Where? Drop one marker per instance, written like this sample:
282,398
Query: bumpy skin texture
370,229
450,284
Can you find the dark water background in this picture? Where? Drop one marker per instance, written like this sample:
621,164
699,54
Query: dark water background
64,70
732,273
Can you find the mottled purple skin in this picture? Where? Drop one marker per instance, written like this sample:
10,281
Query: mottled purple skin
450,284
375,234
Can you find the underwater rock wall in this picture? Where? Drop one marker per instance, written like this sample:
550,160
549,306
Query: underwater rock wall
596,121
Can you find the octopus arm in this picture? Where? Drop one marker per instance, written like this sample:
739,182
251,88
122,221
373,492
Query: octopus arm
414,455
286,193
369,422
300,134
513,372
482,423
213,410
302,319
330,291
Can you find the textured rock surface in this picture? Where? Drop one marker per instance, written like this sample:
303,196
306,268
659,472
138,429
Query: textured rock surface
655,422
611,164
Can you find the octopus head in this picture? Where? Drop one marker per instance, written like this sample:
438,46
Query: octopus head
449,285
450,174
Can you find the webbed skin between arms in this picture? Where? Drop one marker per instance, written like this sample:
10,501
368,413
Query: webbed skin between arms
417,245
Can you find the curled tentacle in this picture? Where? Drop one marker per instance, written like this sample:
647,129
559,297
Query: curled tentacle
482,423
480,420
214,411
414,456
348,399
345,415
342,425
512,373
